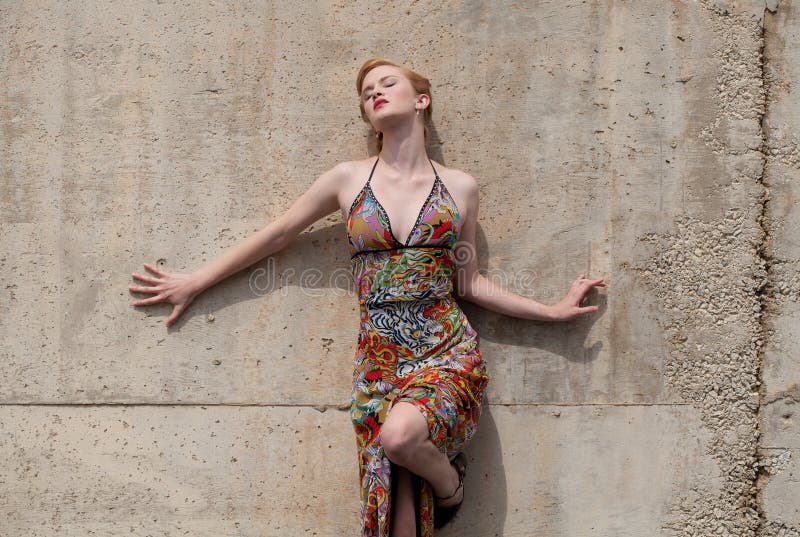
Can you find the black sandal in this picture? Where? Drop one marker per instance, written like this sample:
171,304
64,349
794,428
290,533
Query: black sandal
443,515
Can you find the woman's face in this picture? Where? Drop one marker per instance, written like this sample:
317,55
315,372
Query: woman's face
396,98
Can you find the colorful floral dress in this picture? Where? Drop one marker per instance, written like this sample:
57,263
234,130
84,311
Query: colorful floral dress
415,345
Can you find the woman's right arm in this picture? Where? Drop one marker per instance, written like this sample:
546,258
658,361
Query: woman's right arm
320,200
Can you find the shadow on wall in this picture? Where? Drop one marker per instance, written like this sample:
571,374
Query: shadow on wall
485,486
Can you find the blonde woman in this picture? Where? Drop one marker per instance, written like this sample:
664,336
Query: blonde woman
419,376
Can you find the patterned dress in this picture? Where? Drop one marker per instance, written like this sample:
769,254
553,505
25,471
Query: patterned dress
415,345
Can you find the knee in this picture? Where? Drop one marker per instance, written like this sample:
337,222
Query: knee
398,440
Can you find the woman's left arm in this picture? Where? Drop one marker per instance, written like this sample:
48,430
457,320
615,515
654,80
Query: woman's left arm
472,286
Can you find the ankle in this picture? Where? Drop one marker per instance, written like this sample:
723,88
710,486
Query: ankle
455,499
453,485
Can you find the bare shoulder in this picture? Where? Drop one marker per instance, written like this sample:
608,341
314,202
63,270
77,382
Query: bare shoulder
462,186
355,167
456,179
351,176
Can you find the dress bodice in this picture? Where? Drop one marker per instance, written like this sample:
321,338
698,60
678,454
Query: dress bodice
387,270
370,230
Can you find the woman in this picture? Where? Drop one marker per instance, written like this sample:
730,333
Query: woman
419,376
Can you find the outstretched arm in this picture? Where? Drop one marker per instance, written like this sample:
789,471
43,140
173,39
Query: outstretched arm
318,201
474,287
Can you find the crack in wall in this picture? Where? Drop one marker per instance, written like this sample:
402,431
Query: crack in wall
776,286
762,219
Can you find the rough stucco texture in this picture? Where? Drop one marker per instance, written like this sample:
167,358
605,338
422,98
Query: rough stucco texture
653,143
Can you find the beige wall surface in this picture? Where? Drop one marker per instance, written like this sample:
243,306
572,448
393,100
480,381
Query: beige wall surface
650,142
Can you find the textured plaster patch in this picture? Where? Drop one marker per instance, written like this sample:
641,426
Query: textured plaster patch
711,299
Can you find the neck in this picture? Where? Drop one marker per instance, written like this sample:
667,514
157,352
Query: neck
404,149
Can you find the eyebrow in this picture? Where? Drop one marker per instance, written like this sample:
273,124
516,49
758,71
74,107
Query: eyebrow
381,79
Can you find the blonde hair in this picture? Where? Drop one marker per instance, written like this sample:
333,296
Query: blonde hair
418,82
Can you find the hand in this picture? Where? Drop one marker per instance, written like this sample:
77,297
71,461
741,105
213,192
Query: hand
569,307
177,289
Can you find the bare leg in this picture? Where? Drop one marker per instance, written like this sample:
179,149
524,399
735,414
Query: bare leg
406,442
404,522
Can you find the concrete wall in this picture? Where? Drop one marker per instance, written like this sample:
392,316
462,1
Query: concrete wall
654,143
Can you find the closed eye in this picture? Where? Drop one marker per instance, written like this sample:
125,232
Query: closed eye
370,95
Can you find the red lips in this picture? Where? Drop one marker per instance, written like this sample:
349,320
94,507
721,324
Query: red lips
378,103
